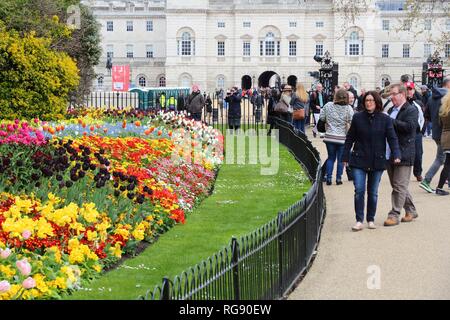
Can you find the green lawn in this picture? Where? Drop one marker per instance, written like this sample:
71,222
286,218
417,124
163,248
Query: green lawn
242,201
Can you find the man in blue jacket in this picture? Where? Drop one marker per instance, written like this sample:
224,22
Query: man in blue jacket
404,117
432,112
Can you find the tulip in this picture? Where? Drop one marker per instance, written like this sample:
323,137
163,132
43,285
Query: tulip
29,283
24,267
4,286
26,234
4,254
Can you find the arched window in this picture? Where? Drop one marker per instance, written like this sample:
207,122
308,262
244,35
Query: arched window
354,46
185,80
220,82
354,82
100,81
186,45
142,81
162,81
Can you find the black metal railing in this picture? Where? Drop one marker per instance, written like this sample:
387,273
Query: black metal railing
100,99
267,263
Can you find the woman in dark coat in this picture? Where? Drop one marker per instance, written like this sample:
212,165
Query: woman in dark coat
367,135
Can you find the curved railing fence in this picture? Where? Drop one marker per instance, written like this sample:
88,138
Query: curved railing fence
267,263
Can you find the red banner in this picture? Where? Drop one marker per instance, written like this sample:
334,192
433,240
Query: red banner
120,78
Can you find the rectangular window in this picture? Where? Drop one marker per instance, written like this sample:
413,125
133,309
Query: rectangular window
385,51
261,48
292,48
270,48
406,49
246,49
149,25
428,25
110,51
278,48
427,50
130,53
447,50
353,49
319,24
186,46
220,48
246,24
385,25
129,25
109,26
149,51
292,24
220,24
319,49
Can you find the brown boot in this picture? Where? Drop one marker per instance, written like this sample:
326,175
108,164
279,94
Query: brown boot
391,221
408,217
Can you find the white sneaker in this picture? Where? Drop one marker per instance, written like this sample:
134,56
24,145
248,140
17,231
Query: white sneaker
372,225
358,226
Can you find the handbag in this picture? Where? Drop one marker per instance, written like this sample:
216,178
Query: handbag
321,126
281,107
298,114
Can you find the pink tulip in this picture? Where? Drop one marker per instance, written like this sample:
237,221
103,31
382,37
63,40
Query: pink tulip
24,267
26,234
5,253
29,283
36,120
4,286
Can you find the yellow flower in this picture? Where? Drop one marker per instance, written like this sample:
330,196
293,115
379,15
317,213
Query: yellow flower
44,228
116,251
160,222
91,235
7,271
89,213
40,283
73,243
60,282
97,268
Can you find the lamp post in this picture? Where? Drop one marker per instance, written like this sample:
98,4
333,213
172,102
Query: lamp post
253,81
433,72
328,73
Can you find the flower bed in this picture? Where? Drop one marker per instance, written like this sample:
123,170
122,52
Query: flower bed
76,195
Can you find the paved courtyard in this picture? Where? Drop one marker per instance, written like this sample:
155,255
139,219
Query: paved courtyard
411,259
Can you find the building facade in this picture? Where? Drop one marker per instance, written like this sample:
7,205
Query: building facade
251,43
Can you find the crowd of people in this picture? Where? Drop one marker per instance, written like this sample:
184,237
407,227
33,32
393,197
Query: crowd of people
383,130
366,133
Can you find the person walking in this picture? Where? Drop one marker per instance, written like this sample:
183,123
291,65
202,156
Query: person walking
337,116
299,103
274,97
405,117
196,103
411,97
444,115
369,131
432,112
318,100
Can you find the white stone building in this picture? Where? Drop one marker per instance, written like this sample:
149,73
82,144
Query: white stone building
222,43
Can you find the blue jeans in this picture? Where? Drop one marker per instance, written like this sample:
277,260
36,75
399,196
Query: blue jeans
359,181
299,124
335,151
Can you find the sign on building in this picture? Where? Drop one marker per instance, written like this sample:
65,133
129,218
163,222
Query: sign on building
121,78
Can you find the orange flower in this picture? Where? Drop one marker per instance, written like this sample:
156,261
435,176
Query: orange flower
92,128
137,123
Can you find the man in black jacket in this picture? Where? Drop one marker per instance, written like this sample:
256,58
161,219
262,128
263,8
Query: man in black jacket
318,100
405,119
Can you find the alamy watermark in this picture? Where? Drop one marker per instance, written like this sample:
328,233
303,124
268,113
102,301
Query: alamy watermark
248,147
374,279
74,17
